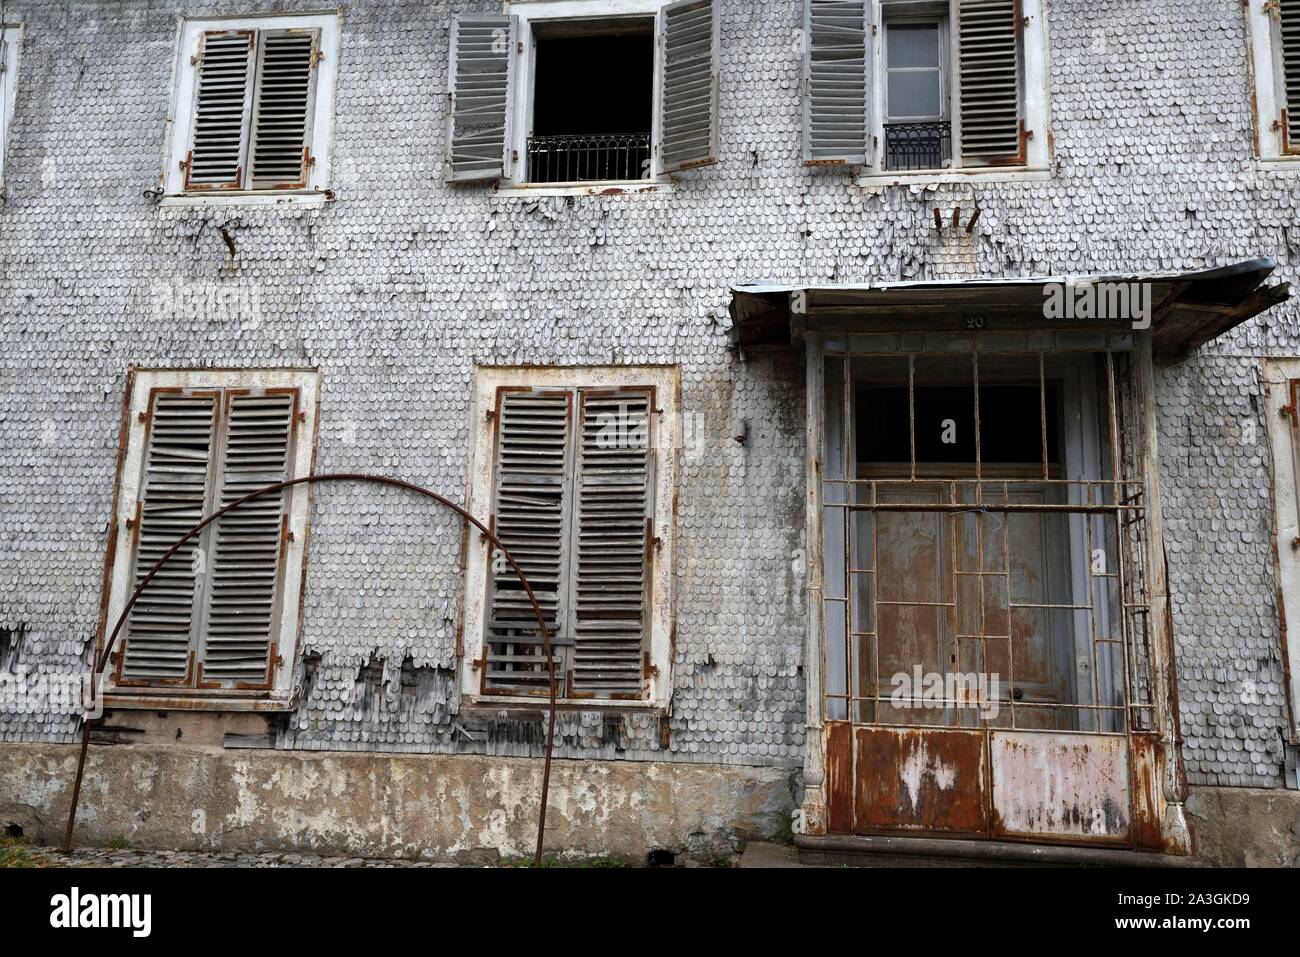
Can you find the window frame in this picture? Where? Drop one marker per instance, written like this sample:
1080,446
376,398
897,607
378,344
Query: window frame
180,120
1281,383
665,431
1267,85
1034,105
12,34
119,569
945,66
524,79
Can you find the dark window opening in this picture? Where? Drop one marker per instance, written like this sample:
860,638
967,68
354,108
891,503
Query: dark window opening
1010,417
593,97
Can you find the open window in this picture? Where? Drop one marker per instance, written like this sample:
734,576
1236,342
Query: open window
254,99
541,97
925,86
1274,30
593,100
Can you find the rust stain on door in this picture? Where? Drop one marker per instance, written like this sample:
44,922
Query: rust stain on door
921,780
839,777
1060,786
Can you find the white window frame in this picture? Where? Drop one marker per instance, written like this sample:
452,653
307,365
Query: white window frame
1037,114
13,41
524,69
181,118
945,66
1266,82
121,572
1278,376
666,436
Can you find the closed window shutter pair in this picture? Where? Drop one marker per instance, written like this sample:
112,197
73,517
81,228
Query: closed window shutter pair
573,504
253,110
1288,47
839,72
209,617
482,91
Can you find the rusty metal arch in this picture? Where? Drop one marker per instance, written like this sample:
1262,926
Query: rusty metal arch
102,661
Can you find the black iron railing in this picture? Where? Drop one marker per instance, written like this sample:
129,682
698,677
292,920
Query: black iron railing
587,157
917,145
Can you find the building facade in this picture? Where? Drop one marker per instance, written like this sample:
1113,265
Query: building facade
889,404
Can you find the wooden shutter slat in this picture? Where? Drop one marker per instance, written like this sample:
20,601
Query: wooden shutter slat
173,497
612,505
224,88
531,517
243,594
989,54
688,70
482,57
835,78
282,118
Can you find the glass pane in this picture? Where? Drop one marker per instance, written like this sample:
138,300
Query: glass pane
914,94
912,45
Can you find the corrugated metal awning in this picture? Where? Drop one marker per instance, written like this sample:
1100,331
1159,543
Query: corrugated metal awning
1187,309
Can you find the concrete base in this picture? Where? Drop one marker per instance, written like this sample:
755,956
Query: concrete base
463,808
1246,827
878,851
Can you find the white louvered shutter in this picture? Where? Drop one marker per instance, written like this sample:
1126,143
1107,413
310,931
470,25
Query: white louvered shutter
480,94
612,535
224,94
989,52
173,497
688,85
836,102
282,111
1288,15
530,515
239,628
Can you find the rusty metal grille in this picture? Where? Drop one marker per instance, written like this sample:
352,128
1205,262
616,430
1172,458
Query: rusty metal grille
917,146
588,158
983,516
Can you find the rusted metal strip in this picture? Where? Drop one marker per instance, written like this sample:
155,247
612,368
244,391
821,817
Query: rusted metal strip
107,650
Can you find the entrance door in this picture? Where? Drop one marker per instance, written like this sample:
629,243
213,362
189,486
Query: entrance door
978,664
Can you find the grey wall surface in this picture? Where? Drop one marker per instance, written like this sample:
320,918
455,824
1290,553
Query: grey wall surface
397,288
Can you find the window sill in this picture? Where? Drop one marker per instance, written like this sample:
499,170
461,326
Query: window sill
312,198
542,703
157,701
1282,163
607,188
976,174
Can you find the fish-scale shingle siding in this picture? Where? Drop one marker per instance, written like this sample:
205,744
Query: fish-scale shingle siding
397,288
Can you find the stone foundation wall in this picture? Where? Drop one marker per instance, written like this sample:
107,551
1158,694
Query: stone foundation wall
466,808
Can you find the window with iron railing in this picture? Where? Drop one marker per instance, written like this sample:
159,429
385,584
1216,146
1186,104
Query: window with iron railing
918,134
592,101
